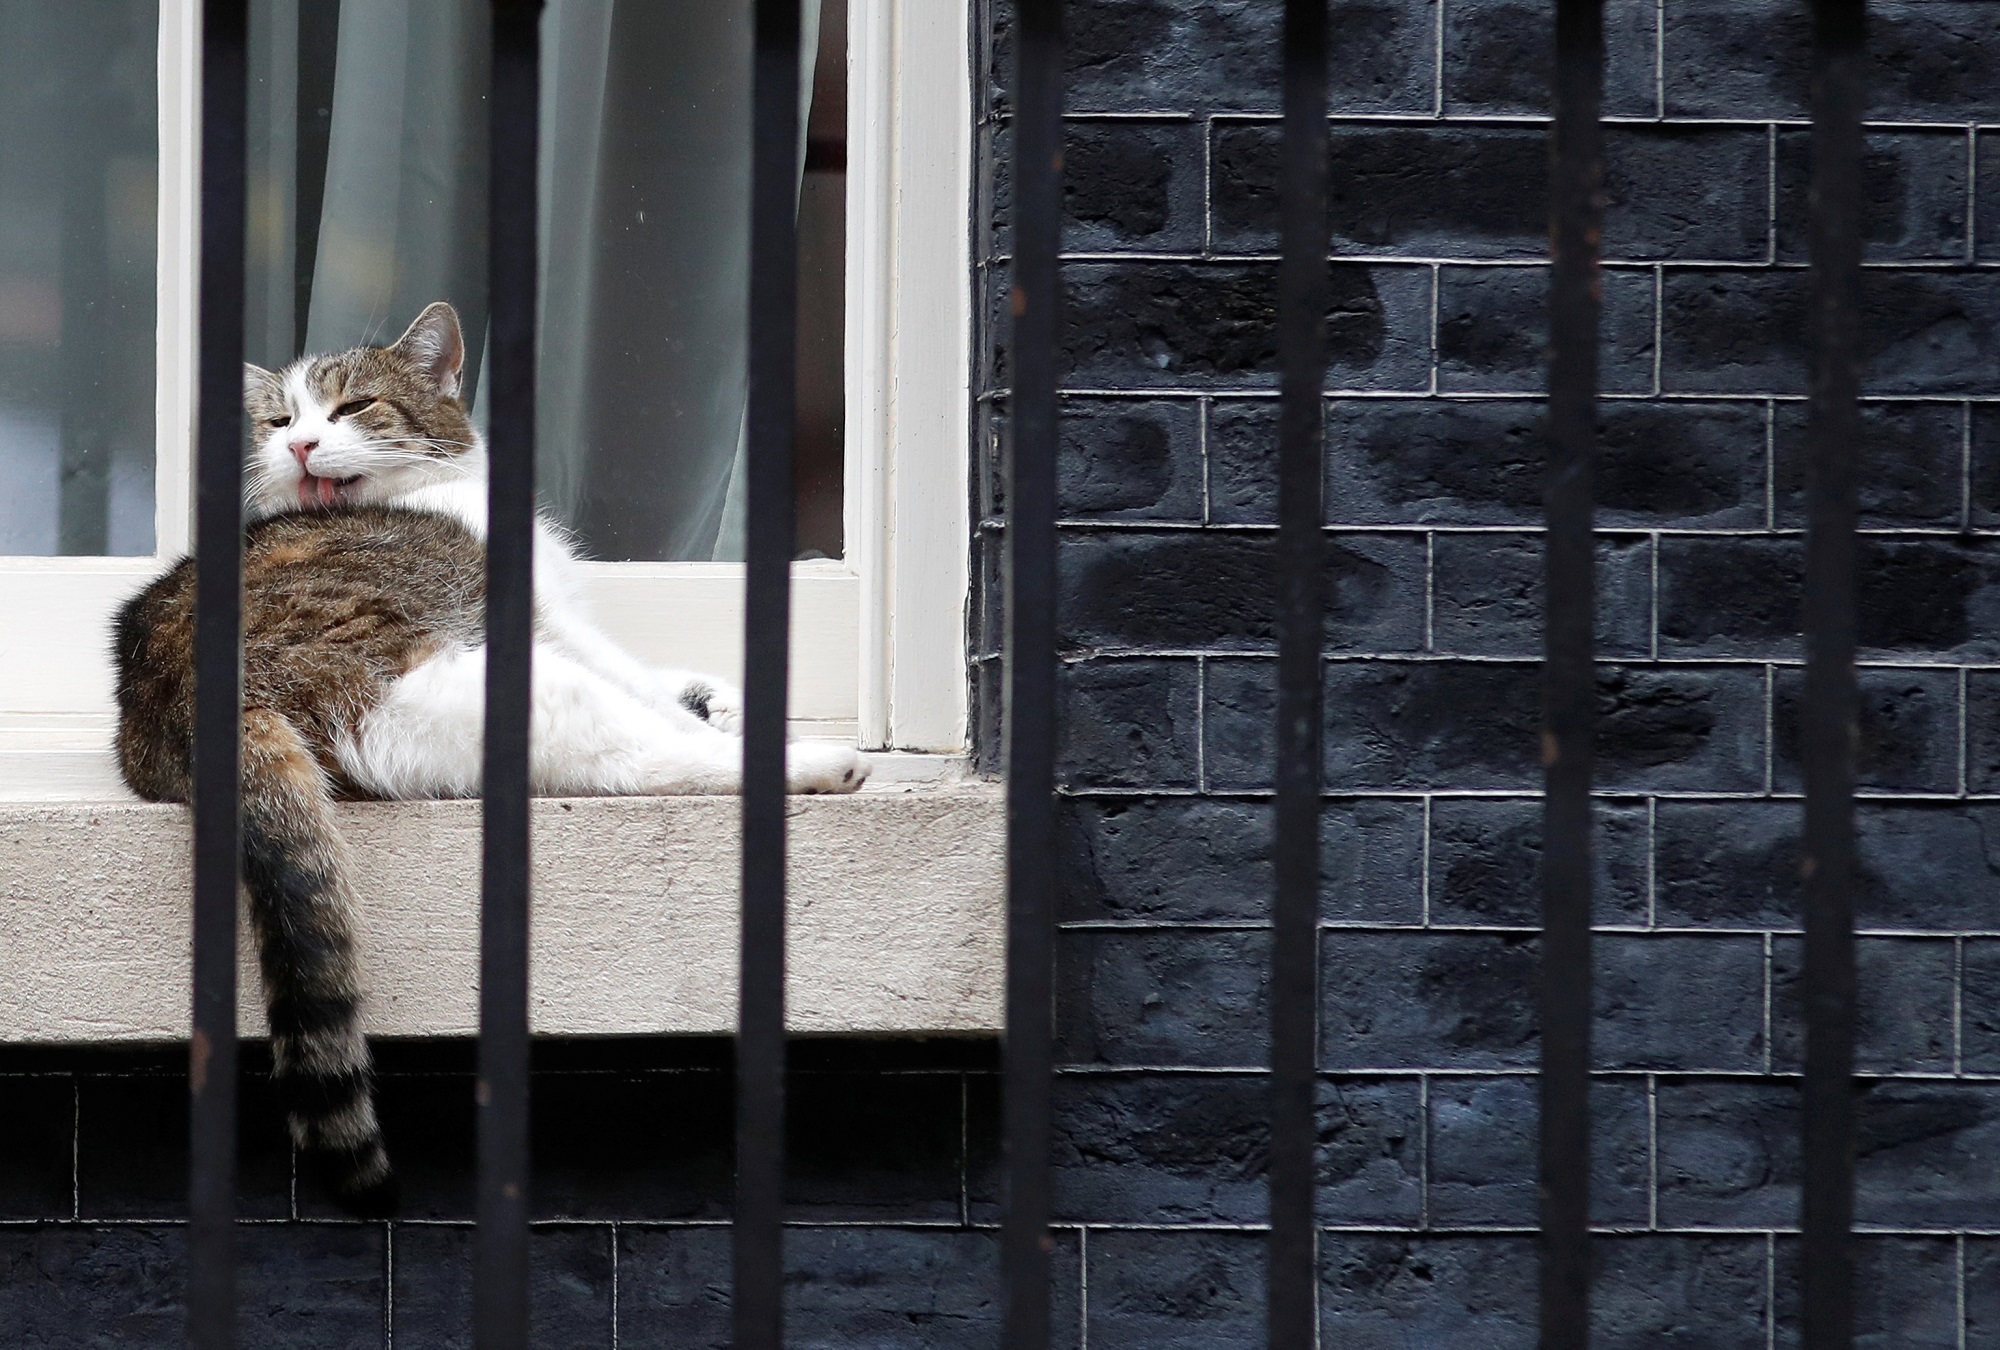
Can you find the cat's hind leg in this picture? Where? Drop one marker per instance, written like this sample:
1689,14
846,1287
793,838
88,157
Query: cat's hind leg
587,737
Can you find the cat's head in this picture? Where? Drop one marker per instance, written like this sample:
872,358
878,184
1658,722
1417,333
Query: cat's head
361,426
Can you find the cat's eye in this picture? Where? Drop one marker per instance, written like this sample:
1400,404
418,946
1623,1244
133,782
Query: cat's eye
348,408
281,421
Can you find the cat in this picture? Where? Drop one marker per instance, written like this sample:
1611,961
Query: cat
363,670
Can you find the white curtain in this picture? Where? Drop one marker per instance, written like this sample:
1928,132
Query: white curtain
645,164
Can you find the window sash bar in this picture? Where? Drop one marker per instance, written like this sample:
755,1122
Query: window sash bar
218,660
1569,685
1302,354
1028,733
1831,701
500,1274
758,1251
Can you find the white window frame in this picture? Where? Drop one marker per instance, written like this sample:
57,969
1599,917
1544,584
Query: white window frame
878,637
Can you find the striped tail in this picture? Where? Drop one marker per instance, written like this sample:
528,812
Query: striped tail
294,867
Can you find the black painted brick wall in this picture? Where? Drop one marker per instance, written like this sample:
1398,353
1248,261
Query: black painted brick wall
891,1191
1433,453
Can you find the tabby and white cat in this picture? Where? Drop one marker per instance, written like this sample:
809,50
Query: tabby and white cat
364,659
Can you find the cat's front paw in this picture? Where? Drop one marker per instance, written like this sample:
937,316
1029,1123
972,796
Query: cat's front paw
720,705
822,766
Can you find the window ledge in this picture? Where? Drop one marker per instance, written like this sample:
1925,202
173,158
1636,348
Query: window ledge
897,914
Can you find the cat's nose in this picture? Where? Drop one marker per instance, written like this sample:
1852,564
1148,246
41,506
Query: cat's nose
302,449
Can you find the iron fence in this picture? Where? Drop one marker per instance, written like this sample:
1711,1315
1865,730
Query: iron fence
1569,683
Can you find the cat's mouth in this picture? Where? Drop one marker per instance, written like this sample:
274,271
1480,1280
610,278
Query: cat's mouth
316,491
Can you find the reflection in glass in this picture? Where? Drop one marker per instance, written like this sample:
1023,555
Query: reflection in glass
79,156
368,184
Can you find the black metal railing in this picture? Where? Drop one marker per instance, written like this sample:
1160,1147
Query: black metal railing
1031,679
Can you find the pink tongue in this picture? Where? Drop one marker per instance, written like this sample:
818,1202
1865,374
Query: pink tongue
328,492
314,490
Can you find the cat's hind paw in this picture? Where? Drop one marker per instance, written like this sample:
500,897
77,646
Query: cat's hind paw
720,705
823,766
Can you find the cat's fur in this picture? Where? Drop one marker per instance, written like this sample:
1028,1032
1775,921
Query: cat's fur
363,612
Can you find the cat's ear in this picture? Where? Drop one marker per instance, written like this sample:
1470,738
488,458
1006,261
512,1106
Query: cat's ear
435,345
257,380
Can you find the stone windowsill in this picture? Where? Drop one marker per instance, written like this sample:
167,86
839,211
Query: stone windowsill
896,911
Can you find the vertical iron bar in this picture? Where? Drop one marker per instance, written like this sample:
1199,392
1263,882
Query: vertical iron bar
500,1276
759,1250
1833,421
1302,302
1029,729
1569,686
218,678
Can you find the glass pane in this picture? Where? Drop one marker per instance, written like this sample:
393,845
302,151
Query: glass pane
368,184
79,159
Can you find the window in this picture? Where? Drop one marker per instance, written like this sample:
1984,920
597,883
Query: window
97,258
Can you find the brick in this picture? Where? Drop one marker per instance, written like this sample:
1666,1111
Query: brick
1909,730
1415,725
1163,998
1745,331
1933,61
1153,1148
1986,210
1910,466
1483,1140
1186,860
1656,1290
1914,196
1735,332
875,1146
1464,462
899,1288
1189,55
1905,1292
1735,864
1243,462
1487,596
1369,1161
1924,1155
1177,1290
1429,724
1486,862
1905,1009
1684,1003
37,1137
65,1286
1214,325
132,1148
1727,864
1466,192
1984,488
1982,1293
1728,1153
1745,597
316,1287
1128,722
1981,1024
1492,330
1130,459
1444,1000
1129,186
312,1286
1195,588
1371,861
1498,57
569,1286
1686,193
614,1146
1389,1292
1736,58
1482,191
1732,597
